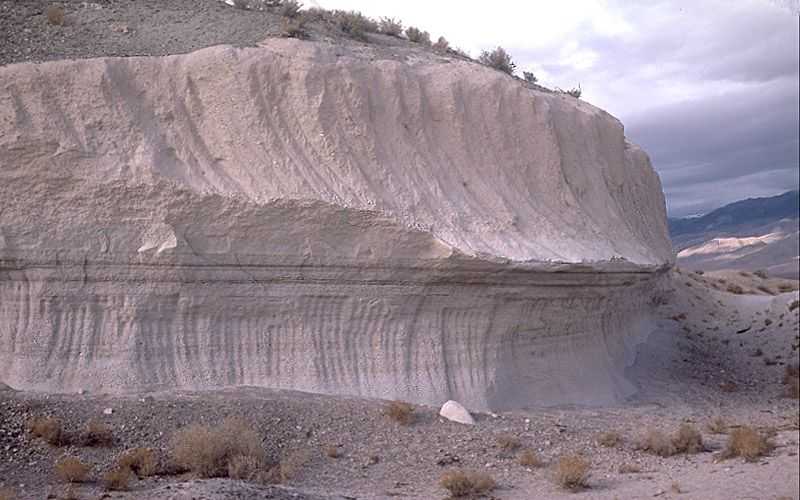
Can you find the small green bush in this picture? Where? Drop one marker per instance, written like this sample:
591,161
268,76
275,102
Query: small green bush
355,24
418,36
498,59
529,77
290,8
391,26
441,45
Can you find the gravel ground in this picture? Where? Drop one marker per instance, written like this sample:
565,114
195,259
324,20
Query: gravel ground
123,28
126,28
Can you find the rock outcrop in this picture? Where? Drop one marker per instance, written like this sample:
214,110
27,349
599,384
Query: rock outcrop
321,218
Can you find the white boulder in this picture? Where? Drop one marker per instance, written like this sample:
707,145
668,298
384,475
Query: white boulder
454,411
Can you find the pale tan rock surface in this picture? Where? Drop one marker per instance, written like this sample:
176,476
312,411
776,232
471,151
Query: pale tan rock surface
301,215
453,410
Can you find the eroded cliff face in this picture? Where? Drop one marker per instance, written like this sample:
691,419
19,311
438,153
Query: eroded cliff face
306,216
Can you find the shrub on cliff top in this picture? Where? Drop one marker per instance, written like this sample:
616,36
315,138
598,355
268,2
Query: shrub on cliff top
391,26
416,35
355,24
498,59
441,45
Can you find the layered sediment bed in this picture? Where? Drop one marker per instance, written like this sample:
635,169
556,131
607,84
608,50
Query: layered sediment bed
324,218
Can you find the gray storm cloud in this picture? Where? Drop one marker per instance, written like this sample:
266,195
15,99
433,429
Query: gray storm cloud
709,89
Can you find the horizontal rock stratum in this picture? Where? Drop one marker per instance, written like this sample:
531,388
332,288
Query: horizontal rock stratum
323,218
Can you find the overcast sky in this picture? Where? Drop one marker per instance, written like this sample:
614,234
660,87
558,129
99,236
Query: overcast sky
708,87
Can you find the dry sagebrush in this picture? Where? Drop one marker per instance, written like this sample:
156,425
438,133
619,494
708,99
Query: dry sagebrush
48,429
401,412
141,461
208,451
529,458
572,472
72,470
55,14
747,443
508,442
97,434
467,484
117,479
687,439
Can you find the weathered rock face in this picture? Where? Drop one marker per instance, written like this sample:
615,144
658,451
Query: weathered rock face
300,216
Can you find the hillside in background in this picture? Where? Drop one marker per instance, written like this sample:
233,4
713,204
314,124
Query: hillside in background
757,233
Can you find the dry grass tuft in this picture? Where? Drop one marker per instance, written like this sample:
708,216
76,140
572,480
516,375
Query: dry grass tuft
208,451
529,458
49,429
610,439
717,425
508,442
332,452
688,440
246,467
72,470
97,434
141,461
290,465
747,443
657,443
117,479
629,469
401,412
761,273
6,494
572,472
55,14
463,484
791,379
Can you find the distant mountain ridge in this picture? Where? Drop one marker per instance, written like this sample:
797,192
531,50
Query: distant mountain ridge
732,217
757,233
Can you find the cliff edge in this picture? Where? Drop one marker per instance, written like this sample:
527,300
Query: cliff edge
319,217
